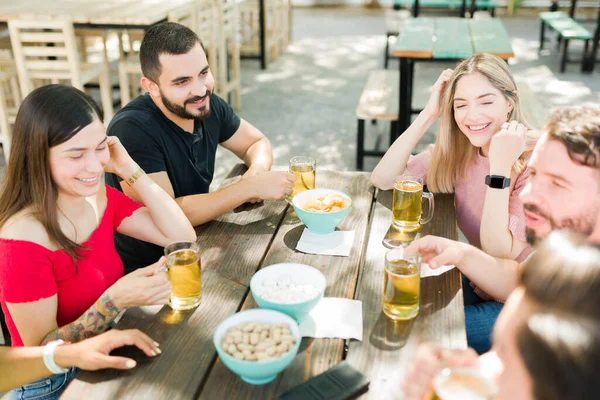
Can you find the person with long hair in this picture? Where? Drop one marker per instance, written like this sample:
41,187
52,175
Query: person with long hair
547,338
480,155
60,275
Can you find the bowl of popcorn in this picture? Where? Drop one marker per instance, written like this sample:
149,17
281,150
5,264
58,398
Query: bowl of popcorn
257,344
321,210
291,288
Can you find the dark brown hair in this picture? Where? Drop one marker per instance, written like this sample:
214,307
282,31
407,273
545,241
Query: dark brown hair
560,342
562,354
564,274
48,116
578,128
165,38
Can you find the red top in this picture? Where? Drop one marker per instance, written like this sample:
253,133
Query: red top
30,272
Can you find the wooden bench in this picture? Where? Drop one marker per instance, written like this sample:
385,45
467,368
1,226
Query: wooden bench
378,102
567,29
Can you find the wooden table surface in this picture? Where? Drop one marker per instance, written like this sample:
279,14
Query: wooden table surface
92,12
241,242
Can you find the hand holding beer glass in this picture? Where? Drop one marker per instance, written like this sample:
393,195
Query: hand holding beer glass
463,383
305,170
407,204
401,285
185,274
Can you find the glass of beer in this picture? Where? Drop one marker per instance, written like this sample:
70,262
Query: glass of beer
185,274
305,169
463,384
406,204
401,285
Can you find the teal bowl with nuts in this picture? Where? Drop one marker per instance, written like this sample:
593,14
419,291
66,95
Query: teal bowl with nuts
257,372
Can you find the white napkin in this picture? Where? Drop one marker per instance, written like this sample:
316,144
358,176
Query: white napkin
426,271
334,317
337,243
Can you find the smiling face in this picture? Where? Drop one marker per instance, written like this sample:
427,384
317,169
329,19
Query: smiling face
559,193
77,164
185,84
480,108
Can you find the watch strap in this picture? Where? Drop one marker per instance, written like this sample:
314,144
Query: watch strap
491,179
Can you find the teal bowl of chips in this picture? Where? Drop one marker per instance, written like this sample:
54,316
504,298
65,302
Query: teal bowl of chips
321,210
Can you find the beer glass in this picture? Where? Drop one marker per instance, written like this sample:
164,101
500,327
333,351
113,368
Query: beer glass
305,170
401,284
406,204
463,384
185,274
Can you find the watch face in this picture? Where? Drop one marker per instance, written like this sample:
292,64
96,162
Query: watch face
497,182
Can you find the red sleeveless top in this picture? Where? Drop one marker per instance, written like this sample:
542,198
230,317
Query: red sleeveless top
30,272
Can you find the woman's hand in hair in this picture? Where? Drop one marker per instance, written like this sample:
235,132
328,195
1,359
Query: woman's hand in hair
506,147
433,105
143,287
120,162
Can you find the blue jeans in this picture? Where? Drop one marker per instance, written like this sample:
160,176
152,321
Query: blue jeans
480,317
49,388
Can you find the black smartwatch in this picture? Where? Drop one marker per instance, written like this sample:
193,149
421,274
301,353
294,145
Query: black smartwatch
497,181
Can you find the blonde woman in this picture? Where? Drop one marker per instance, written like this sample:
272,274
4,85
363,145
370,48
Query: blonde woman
480,155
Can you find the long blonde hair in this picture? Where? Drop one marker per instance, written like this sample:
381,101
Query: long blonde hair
453,152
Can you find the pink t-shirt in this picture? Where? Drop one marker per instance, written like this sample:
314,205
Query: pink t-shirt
469,197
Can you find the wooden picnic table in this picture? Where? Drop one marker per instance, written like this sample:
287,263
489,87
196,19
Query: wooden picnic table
234,247
93,13
443,39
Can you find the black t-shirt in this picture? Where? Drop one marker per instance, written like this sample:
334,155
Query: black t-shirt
158,144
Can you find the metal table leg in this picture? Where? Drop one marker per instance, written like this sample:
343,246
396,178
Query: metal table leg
261,25
404,105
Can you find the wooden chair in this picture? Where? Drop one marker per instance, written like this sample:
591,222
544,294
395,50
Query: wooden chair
228,52
207,29
10,100
277,28
46,51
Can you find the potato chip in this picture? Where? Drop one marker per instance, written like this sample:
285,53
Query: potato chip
327,203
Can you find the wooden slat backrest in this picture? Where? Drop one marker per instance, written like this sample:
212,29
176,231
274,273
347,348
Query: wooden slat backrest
44,50
185,15
206,28
228,47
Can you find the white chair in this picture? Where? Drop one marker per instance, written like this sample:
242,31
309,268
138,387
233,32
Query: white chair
228,47
46,51
10,100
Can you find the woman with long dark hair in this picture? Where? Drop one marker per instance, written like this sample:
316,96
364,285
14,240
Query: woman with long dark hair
60,275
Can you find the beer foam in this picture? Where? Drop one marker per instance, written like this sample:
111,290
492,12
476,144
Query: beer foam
463,384
284,291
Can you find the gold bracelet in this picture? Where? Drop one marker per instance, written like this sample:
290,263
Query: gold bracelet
136,175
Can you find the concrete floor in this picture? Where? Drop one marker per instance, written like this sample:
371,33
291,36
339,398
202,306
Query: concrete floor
305,101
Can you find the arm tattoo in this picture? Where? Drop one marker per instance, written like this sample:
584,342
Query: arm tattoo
94,320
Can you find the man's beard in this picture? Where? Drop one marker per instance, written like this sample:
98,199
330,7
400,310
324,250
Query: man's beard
180,111
583,223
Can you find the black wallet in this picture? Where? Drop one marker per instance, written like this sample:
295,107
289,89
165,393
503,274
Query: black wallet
337,383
